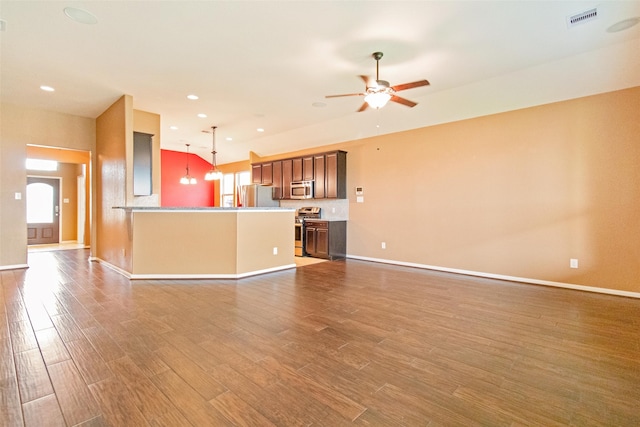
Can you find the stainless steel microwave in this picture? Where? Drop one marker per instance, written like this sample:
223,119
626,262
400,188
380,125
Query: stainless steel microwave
302,190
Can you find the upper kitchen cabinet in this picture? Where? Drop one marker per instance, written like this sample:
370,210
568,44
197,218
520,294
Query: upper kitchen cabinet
256,174
296,172
308,170
336,175
302,169
319,177
278,189
262,173
267,173
330,180
328,171
282,177
287,178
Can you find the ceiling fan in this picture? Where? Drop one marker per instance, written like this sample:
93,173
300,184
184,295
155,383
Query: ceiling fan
378,92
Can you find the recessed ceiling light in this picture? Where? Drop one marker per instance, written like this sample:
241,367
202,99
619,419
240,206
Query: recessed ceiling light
173,127
202,116
260,130
229,138
623,25
192,97
47,88
80,15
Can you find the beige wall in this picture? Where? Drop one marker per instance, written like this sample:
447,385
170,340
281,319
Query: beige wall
258,234
20,126
114,148
114,133
516,194
210,243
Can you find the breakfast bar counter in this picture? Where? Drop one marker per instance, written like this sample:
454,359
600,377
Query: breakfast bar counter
195,243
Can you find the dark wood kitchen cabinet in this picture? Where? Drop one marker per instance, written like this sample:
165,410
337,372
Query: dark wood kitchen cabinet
330,175
328,171
277,179
262,173
296,172
282,177
256,173
267,173
336,175
319,176
287,177
302,169
325,239
307,168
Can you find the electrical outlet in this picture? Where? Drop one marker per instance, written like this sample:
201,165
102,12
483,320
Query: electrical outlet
275,250
573,263
384,245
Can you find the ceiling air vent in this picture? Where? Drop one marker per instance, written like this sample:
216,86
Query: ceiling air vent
581,18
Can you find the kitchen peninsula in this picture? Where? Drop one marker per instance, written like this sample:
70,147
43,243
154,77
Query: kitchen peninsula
198,243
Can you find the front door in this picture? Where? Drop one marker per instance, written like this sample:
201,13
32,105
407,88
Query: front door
43,210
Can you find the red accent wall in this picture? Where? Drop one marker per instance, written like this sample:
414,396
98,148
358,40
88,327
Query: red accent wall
173,167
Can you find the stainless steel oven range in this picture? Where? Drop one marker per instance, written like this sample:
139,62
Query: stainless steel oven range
301,214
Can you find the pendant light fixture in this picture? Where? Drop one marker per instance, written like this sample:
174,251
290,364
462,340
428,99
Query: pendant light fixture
214,173
188,179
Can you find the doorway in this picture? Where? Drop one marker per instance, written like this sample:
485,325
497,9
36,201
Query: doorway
43,210
73,173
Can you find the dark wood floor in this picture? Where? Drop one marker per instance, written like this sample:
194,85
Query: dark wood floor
331,344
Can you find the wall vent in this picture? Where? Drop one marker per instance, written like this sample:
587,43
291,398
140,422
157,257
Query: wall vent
581,18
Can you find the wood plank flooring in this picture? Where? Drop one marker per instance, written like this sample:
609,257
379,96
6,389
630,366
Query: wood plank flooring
330,344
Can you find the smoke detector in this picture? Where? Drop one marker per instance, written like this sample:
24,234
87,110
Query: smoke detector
582,17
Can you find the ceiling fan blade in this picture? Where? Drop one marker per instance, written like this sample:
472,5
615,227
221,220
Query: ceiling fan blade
363,107
346,94
411,85
403,101
368,82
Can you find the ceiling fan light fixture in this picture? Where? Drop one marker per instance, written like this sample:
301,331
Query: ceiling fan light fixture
377,100
379,92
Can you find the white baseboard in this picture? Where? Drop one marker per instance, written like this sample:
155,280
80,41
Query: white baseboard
14,267
189,276
503,277
111,266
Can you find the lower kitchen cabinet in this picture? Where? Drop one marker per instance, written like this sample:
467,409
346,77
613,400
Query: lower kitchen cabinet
325,239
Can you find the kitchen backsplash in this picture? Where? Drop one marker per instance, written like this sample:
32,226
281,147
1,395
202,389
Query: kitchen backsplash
331,209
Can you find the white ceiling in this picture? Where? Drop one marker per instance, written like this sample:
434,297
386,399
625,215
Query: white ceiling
265,63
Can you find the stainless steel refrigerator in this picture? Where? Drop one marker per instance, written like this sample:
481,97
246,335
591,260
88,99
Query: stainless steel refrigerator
255,195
